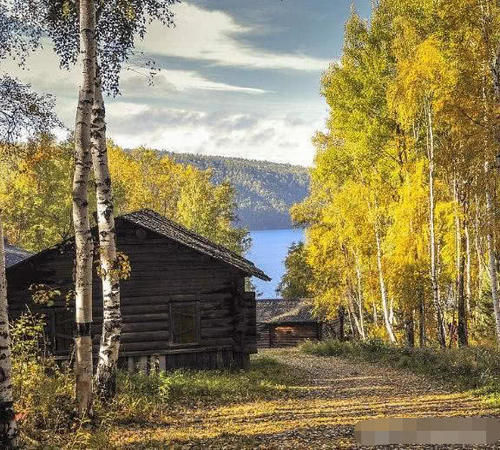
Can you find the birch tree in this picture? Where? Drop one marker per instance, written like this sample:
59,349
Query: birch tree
8,426
489,11
84,246
111,329
22,111
117,25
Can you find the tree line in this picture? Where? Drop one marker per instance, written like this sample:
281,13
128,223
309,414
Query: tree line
402,218
36,198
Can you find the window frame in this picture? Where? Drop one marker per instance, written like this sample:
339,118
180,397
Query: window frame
197,325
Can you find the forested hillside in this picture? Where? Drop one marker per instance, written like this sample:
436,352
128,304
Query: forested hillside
265,190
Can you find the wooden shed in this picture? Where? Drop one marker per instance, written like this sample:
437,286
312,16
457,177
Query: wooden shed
184,305
286,323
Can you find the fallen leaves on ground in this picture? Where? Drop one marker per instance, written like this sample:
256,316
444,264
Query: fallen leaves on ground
320,411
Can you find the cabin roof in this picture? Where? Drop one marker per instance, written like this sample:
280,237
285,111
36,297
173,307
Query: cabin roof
157,223
14,254
285,311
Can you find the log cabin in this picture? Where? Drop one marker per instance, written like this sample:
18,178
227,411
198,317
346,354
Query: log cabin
14,254
286,323
184,305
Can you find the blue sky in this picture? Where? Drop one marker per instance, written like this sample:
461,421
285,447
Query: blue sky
238,78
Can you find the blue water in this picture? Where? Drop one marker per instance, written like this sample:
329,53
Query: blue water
268,252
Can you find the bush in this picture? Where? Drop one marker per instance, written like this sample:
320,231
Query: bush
43,390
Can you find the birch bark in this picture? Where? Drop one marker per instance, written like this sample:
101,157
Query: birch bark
490,241
111,327
83,236
352,313
422,338
8,428
360,300
433,256
461,297
468,260
383,291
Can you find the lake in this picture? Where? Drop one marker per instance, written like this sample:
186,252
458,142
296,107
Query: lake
268,252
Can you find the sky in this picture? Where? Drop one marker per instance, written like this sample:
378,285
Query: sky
238,78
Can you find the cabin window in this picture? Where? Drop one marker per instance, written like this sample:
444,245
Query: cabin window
184,323
62,323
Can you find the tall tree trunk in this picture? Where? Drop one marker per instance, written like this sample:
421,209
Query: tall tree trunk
391,310
352,313
383,291
433,256
8,428
468,262
350,322
410,329
112,320
479,252
360,300
493,53
492,263
461,300
341,312
422,335
461,244
83,236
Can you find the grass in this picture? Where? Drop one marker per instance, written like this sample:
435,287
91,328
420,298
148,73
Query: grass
44,395
141,400
464,368
275,403
142,397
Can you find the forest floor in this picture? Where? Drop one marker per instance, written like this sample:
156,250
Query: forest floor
331,395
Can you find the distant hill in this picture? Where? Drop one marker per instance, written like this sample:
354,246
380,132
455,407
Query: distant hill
265,190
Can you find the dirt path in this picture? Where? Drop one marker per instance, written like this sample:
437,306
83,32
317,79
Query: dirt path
320,412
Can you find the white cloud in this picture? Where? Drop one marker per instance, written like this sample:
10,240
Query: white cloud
133,82
252,136
45,76
277,129
211,36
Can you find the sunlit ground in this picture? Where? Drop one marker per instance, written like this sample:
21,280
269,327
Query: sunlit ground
319,412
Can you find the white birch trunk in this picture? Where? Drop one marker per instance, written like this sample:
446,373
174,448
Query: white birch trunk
112,320
494,68
360,301
352,313
383,291
83,236
481,266
492,263
391,310
8,428
468,260
433,256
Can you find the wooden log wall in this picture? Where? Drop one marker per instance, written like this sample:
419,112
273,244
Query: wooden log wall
163,272
290,335
263,337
